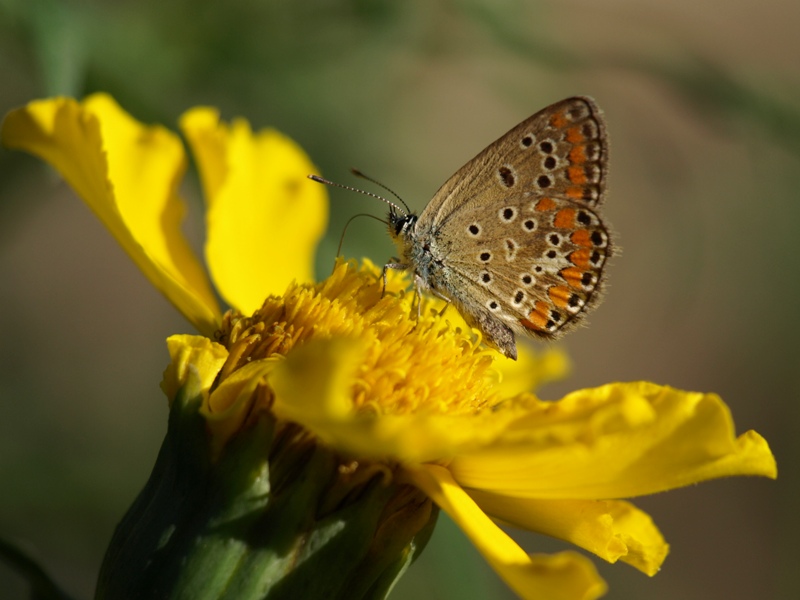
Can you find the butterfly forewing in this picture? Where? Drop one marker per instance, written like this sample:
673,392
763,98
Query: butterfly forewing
561,150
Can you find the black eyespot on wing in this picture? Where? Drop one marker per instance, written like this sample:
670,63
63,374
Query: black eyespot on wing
506,176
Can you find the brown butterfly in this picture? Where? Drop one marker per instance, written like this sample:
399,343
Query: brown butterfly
514,239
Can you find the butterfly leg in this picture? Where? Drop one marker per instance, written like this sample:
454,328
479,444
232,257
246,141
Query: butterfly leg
391,265
441,297
419,283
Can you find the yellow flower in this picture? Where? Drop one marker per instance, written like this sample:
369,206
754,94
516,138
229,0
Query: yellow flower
422,403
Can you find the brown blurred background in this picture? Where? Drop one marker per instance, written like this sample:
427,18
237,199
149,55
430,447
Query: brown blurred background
702,99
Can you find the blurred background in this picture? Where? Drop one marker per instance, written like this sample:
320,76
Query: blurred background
702,99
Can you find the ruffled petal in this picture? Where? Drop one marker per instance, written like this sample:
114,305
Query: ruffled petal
195,361
238,400
128,174
616,441
612,529
264,216
562,576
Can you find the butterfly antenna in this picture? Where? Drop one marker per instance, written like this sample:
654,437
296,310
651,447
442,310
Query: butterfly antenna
346,225
358,173
353,189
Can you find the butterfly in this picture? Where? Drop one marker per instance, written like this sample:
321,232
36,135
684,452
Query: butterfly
514,239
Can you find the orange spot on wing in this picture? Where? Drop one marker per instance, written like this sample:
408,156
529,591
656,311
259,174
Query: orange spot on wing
577,155
577,175
572,276
574,135
581,238
558,120
545,204
560,295
565,218
537,318
580,258
575,192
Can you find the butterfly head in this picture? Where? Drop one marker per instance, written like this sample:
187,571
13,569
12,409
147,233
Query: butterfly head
400,225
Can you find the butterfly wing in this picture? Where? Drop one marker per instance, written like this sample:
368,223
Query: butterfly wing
561,150
516,229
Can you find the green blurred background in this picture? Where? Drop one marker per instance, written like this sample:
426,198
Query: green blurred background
702,99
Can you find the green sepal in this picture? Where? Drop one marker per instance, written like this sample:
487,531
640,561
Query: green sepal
248,525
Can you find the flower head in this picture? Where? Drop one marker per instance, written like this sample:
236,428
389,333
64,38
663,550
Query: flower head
343,365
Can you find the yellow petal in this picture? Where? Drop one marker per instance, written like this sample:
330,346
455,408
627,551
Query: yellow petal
264,216
531,370
313,387
612,529
129,175
616,441
562,576
196,360
238,398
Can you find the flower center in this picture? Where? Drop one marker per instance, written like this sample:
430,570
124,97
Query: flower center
409,366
